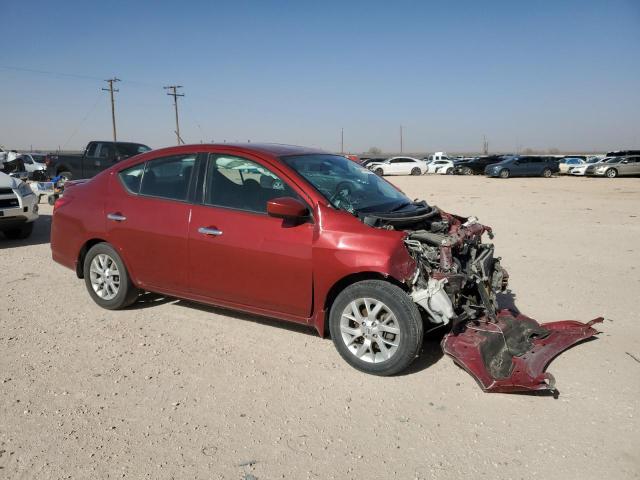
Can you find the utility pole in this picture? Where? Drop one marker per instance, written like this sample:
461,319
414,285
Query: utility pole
401,145
111,91
174,93
342,140
485,145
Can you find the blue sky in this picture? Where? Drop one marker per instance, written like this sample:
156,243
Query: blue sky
540,74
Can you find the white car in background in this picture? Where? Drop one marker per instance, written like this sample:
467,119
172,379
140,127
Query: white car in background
18,207
569,163
441,167
33,162
586,168
399,166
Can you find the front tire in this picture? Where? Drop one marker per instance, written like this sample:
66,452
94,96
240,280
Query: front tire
546,173
504,173
376,327
611,173
107,279
467,171
379,172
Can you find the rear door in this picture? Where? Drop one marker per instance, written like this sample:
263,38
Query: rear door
147,218
237,253
632,167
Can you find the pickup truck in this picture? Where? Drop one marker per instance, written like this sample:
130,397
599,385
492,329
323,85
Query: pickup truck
97,156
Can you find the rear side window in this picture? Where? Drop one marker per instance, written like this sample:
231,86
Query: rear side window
131,177
168,177
238,183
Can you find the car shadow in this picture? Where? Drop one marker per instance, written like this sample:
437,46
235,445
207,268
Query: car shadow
429,355
41,234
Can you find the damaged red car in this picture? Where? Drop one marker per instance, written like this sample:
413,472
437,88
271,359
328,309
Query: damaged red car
309,237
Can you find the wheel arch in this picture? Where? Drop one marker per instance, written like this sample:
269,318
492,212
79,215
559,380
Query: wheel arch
343,283
83,253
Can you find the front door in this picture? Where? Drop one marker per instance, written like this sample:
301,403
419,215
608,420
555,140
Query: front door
147,219
237,253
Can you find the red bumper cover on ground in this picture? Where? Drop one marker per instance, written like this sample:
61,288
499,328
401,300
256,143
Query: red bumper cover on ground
510,353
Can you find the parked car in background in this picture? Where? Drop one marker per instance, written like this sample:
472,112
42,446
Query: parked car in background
399,166
587,168
523,166
567,163
366,161
476,166
441,167
33,162
622,153
18,207
619,166
97,156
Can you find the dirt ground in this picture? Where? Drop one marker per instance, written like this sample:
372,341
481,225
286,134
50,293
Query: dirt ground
172,389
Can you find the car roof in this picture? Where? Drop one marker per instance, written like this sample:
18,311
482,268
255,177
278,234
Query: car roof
272,149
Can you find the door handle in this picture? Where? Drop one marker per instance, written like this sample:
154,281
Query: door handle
210,231
116,217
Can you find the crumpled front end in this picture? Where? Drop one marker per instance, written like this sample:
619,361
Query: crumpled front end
456,284
511,352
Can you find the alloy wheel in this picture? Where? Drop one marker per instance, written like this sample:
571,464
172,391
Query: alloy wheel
105,276
370,330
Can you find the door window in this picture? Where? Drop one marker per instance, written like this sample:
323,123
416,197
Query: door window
235,182
166,177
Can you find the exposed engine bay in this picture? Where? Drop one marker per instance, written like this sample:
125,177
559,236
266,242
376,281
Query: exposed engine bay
456,284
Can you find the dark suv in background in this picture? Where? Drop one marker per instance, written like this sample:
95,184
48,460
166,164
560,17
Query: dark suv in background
523,166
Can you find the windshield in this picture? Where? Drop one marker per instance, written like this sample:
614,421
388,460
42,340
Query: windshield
347,185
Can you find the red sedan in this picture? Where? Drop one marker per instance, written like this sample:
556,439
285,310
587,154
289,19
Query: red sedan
286,232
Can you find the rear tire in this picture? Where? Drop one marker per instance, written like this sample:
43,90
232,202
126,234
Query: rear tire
504,173
19,233
376,327
449,171
467,171
379,172
546,173
107,279
611,173
415,171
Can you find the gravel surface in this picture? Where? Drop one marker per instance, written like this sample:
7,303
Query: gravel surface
173,389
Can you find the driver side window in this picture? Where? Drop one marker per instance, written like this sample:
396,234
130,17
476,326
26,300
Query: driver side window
238,183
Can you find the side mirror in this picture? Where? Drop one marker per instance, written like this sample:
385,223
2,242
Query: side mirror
287,207
625,161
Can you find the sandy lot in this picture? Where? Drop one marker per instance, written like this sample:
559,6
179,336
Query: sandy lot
171,389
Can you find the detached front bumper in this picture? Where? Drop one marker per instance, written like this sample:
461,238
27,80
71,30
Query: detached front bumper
511,353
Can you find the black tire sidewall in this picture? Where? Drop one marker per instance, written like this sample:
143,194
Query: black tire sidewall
611,171
415,171
504,173
379,171
406,312
546,173
127,293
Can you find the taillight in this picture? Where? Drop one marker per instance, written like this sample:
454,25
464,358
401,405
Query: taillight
60,201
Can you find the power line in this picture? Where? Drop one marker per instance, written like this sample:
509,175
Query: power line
111,91
174,93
